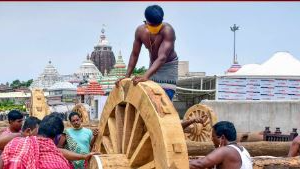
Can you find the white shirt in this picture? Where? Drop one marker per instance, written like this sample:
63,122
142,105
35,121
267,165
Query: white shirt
245,156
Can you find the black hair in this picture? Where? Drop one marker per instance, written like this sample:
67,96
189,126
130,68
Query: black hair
74,114
51,126
225,128
154,14
31,123
14,115
60,115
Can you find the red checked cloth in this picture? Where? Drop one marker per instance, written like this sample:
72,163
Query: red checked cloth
33,153
6,131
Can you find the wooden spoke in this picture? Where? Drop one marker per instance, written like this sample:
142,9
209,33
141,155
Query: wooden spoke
139,156
136,135
128,124
119,114
200,132
107,145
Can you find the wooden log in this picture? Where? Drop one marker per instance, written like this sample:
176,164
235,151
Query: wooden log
250,137
270,162
276,163
199,148
261,148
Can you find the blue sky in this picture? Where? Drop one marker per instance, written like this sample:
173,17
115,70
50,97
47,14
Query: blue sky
32,33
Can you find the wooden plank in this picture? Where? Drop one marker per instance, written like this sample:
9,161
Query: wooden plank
143,153
128,124
119,114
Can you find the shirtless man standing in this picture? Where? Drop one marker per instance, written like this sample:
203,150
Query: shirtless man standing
159,38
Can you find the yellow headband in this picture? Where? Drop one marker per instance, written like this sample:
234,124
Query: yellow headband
154,29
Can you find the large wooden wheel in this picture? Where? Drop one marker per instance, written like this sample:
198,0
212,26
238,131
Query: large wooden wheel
140,128
197,131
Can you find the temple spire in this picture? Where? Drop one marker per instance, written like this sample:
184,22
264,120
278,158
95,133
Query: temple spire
88,57
103,39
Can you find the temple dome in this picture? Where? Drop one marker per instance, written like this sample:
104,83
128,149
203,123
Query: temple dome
103,56
88,70
49,76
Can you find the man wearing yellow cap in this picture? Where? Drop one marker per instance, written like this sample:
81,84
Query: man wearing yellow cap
159,38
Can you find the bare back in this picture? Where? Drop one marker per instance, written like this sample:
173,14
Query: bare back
156,43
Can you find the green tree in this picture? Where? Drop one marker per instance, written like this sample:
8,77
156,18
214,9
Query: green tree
15,84
28,83
139,71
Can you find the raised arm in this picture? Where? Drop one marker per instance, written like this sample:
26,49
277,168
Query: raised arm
137,44
201,120
134,56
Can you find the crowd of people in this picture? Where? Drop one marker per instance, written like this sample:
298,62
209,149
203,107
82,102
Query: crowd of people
44,144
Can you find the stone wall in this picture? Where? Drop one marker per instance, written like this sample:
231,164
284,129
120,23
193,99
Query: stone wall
252,116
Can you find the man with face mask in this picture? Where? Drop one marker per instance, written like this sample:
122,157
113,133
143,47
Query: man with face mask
228,154
159,38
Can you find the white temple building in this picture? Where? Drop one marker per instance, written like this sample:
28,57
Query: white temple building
49,76
88,71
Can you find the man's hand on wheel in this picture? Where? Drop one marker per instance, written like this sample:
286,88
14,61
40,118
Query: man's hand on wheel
138,79
118,81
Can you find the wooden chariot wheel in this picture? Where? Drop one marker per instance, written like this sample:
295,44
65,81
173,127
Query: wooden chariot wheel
197,131
139,128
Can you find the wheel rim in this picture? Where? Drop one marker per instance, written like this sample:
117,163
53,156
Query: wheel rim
196,131
141,123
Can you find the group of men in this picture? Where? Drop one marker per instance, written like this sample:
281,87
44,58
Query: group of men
41,144
44,144
159,38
